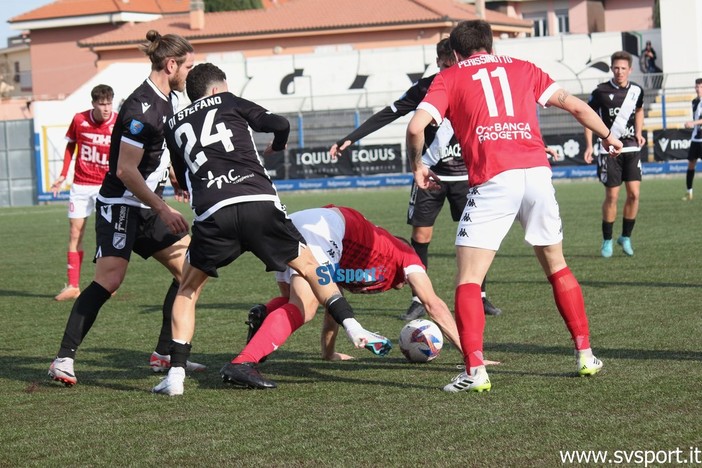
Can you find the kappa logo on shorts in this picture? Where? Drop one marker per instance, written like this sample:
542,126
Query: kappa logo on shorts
473,191
471,202
135,127
466,218
106,213
462,233
119,240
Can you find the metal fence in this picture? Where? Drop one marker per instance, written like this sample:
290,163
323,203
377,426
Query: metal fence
17,167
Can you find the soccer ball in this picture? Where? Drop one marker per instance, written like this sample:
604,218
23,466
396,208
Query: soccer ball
421,340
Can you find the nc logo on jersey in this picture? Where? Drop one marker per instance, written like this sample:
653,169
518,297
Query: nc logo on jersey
119,240
135,127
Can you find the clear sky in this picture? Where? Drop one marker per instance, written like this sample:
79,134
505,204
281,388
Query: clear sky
12,8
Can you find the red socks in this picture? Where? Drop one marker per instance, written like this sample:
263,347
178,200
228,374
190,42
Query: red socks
73,269
470,319
276,328
275,303
570,303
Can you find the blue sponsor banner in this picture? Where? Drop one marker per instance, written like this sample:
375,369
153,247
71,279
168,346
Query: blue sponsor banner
399,180
328,183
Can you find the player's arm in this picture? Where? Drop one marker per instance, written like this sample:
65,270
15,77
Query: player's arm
375,122
436,307
330,330
423,176
638,126
67,158
128,172
261,120
587,117
403,106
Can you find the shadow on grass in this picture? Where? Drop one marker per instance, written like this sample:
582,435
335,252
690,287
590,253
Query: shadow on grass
8,293
615,353
128,370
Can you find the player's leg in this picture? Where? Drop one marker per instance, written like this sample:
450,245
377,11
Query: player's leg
258,313
112,259
457,194
173,258
543,229
473,264
281,322
489,213
424,208
81,205
632,180
109,273
74,259
571,305
182,330
693,154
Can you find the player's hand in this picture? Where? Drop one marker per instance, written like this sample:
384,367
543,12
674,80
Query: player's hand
426,179
174,221
689,125
56,186
551,152
339,357
588,155
336,150
269,149
640,140
613,145
181,195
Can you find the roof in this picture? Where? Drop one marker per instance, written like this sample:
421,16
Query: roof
308,16
73,8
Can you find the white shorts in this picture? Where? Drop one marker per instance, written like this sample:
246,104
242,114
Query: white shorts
323,230
81,201
526,195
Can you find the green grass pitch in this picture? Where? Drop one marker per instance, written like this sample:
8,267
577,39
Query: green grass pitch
645,325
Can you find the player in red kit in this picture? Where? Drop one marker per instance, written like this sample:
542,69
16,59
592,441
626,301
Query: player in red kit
90,132
490,100
357,255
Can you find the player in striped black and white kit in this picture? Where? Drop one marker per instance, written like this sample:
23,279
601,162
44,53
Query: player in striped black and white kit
695,151
131,215
237,209
619,102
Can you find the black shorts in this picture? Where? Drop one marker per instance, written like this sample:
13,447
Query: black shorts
121,229
425,205
695,151
258,227
624,168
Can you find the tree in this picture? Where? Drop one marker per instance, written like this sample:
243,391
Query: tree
232,5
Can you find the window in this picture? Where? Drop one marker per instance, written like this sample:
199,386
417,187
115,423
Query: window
540,23
563,22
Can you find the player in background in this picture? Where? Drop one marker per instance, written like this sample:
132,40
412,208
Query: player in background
131,215
695,151
90,133
619,102
443,154
237,209
491,101
362,258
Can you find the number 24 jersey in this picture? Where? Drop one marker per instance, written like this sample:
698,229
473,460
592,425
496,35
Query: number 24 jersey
213,152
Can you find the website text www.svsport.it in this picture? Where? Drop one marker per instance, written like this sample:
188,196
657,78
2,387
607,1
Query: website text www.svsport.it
678,456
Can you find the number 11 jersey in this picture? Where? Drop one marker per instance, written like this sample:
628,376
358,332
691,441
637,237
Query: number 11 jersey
491,103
